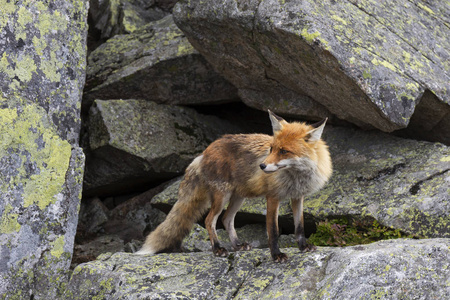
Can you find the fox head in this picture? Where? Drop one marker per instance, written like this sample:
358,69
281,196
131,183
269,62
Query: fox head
292,144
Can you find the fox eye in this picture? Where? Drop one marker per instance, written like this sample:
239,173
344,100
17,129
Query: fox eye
282,151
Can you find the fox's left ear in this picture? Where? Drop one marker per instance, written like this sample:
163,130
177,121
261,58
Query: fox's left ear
315,134
277,121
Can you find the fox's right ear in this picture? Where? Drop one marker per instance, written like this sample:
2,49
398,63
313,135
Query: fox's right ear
277,121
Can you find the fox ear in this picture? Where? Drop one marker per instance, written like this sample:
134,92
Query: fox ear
277,121
315,134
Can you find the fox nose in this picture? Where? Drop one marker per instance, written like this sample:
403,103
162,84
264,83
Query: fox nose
262,166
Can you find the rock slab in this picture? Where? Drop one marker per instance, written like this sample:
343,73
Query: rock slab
367,62
42,73
400,269
156,63
133,142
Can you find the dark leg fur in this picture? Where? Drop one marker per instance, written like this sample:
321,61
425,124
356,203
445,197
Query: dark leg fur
272,230
297,209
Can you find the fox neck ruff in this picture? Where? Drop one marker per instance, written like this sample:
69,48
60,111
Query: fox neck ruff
300,179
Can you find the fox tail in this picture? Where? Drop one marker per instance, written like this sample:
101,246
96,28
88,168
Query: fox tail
191,205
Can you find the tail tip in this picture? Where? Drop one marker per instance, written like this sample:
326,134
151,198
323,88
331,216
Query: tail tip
145,251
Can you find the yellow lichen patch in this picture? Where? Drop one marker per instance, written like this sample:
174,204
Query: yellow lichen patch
384,63
58,247
8,221
309,37
337,18
30,135
426,8
51,68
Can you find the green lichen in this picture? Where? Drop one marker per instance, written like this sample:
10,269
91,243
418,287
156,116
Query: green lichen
309,37
384,63
8,221
337,18
426,8
367,75
58,247
185,49
23,69
51,158
51,68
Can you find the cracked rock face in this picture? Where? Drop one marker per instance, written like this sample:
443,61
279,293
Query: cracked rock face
134,142
155,63
403,184
42,71
367,62
399,269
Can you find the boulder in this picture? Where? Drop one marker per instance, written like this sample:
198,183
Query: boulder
155,63
123,16
400,269
403,184
42,72
368,62
135,142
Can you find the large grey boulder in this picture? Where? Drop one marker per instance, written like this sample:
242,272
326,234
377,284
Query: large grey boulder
155,63
42,71
367,62
403,184
400,269
134,142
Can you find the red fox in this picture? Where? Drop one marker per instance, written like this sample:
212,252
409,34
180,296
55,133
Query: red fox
292,163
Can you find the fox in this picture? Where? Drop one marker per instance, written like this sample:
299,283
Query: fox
293,163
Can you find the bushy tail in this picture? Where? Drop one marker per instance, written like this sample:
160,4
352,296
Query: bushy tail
192,203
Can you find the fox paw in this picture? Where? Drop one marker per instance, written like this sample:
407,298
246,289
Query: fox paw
280,257
243,247
220,251
307,248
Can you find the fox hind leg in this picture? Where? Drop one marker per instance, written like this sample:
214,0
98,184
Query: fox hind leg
297,209
219,199
228,221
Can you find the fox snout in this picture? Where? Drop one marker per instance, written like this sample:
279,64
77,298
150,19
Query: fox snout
270,167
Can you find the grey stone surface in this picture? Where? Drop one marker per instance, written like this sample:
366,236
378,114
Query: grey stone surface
134,142
42,73
400,269
155,63
367,62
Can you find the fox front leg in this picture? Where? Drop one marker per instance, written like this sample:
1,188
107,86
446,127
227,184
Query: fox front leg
272,229
297,209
